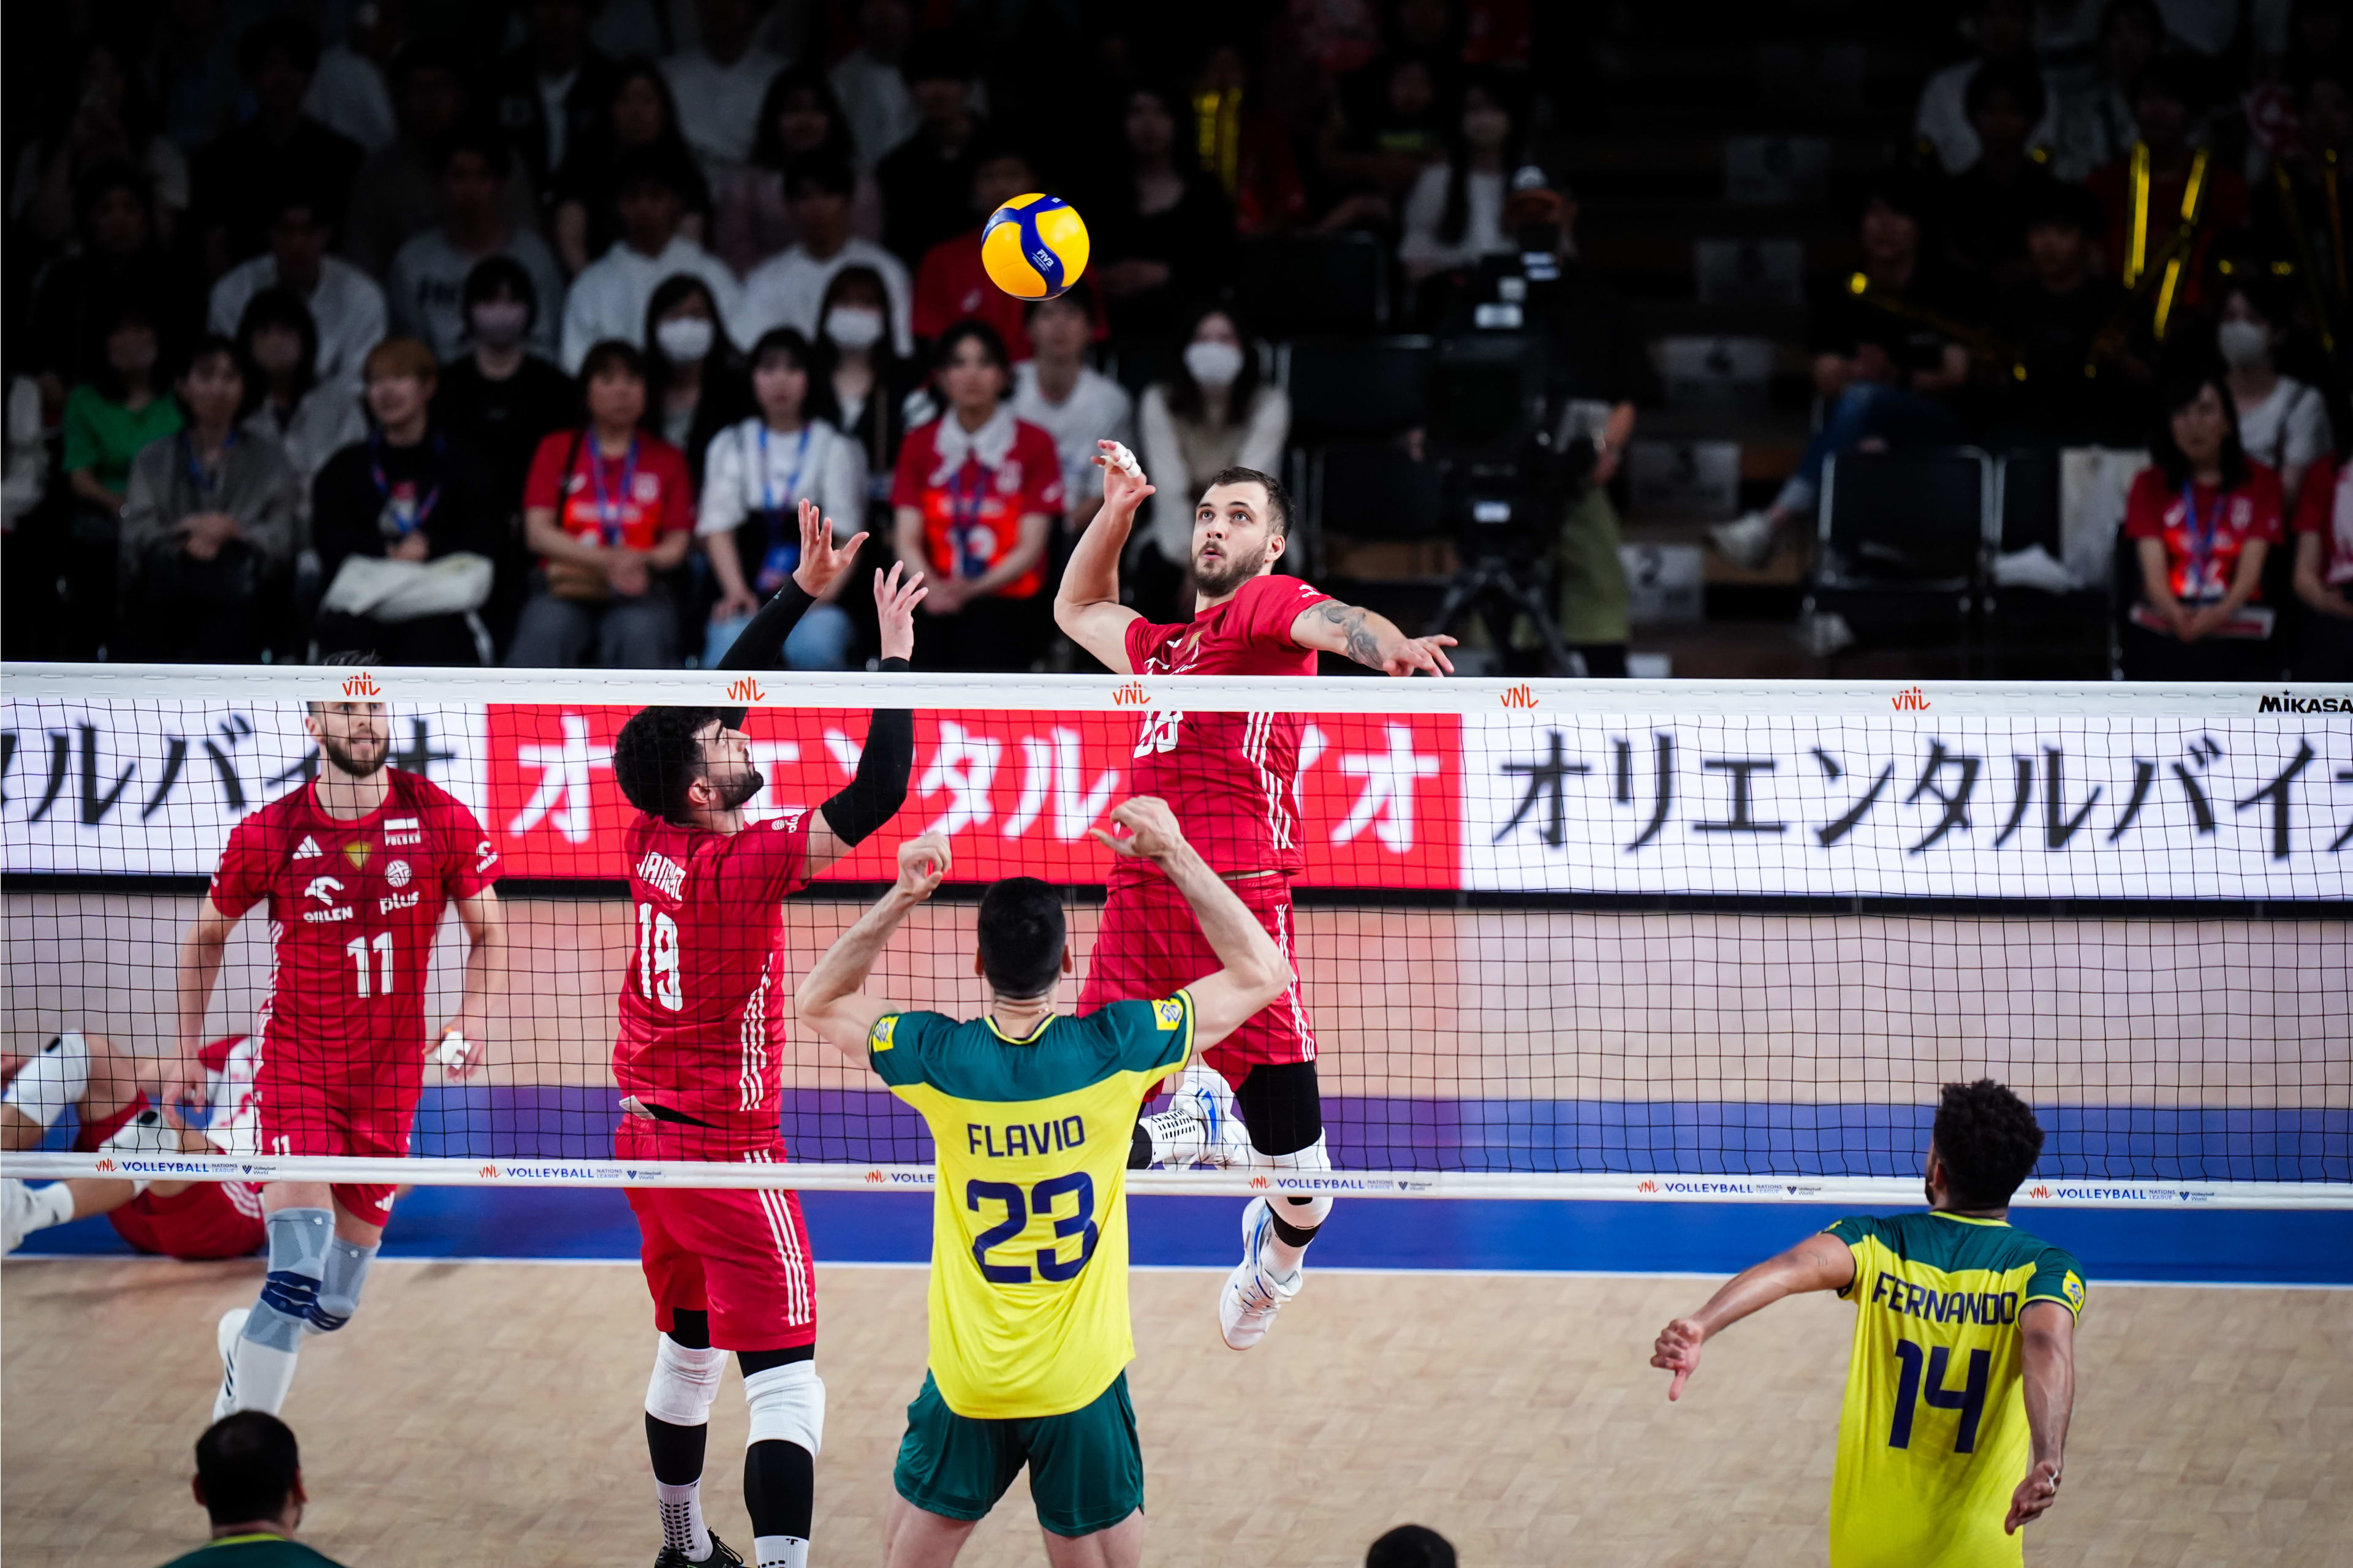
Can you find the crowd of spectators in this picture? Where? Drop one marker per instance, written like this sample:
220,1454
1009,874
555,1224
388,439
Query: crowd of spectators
518,338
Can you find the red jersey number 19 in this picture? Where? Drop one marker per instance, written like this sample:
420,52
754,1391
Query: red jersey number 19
658,958
358,949
1158,733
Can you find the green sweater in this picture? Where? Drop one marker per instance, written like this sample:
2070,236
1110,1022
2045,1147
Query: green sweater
255,1550
102,435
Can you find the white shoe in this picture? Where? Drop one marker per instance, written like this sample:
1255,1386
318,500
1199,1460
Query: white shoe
145,1133
1745,540
1253,1294
15,1213
224,1338
1204,1095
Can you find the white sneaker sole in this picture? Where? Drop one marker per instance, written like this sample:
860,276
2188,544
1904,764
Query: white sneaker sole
230,1329
1239,1326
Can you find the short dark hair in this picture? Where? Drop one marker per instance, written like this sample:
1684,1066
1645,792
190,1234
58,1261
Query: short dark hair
657,758
609,355
826,168
1080,295
1987,1140
2019,77
1278,499
278,306
991,342
1410,1546
496,275
289,36
212,346
1021,934
247,1462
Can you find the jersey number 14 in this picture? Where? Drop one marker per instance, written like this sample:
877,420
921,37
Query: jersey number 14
1916,1384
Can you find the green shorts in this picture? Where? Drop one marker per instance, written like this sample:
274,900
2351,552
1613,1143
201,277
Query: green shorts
1086,1467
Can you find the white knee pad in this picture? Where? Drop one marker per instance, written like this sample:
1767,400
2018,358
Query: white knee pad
57,1077
684,1383
1302,1210
787,1404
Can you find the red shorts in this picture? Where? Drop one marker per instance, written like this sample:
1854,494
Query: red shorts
1150,946
366,1121
209,1219
740,1254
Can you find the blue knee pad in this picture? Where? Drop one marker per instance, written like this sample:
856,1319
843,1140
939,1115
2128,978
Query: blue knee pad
299,1241
339,1290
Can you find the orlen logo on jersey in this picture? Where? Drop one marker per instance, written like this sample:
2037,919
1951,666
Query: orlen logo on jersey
362,685
326,890
1520,695
745,689
1131,695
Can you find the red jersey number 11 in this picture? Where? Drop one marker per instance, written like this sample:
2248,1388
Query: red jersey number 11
358,948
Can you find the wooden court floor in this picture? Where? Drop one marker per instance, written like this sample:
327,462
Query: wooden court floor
480,1414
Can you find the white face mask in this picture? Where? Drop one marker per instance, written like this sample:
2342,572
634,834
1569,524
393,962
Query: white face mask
1214,364
2243,343
854,327
685,338
499,324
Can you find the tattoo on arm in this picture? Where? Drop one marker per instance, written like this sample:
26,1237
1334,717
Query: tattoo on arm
1363,647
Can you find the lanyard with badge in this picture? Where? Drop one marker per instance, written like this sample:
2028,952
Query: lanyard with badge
206,481
401,508
2199,555
971,542
784,548
609,522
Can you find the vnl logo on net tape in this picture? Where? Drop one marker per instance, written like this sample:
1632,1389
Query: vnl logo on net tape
362,685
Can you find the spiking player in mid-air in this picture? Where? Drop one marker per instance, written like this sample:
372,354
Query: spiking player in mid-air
1232,780
699,1063
357,867
1962,1375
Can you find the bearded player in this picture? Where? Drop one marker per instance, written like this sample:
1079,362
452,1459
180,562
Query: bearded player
699,1066
357,867
1232,779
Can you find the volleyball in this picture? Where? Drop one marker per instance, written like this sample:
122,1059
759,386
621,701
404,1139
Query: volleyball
1034,246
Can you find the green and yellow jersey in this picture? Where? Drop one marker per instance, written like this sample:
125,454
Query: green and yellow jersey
1933,1439
1029,1295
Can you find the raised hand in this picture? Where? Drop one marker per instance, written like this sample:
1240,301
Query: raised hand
1152,830
1124,486
2037,1492
923,865
1677,1350
821,562
894,606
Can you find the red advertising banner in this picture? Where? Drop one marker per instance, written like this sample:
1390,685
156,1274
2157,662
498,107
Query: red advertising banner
1379,797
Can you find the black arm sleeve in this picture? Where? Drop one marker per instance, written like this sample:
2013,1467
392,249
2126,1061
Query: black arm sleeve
874,796
761,645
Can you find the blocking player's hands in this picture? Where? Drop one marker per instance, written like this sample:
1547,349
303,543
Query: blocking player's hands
1152,833
459,1057
894,607
1425,656
2036,1493
822,563
923,866
1677,1350
1124,486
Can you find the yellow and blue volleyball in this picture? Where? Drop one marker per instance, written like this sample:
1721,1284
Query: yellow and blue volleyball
1034,246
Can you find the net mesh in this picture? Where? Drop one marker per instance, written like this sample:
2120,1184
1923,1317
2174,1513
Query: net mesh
1696,941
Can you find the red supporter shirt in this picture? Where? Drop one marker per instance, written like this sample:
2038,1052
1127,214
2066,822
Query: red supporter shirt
703,1000
952,285
1231,778
972,518
2325,508
612,501
354,906
2203,550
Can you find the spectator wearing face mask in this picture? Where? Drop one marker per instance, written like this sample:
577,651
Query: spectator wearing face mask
2282,422
208,530
407,528
310,420
428,273
697,382
1214,413
874,389
609,300
787,290
347,307
501,400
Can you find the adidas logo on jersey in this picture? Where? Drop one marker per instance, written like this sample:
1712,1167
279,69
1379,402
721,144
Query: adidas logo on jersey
308,849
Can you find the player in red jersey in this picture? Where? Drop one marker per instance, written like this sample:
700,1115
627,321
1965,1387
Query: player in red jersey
1232,779
177,1219
357,867
700,1065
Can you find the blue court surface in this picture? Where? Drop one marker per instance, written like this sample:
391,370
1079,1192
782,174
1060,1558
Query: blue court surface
2203,1247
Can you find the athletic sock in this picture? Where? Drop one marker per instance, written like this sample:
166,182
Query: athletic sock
299,1241
780,1493
677,1453
1286,1246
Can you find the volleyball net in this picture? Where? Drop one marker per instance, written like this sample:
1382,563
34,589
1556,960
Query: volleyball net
1666,940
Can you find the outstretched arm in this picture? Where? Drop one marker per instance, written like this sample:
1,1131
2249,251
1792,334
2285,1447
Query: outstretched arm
832,1000
2049,1383
761,645
1254,972
1817,1263
879,789
1372,641
1087,606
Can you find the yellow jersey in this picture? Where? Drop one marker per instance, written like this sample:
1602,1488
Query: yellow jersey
1028,1290
1933,1439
